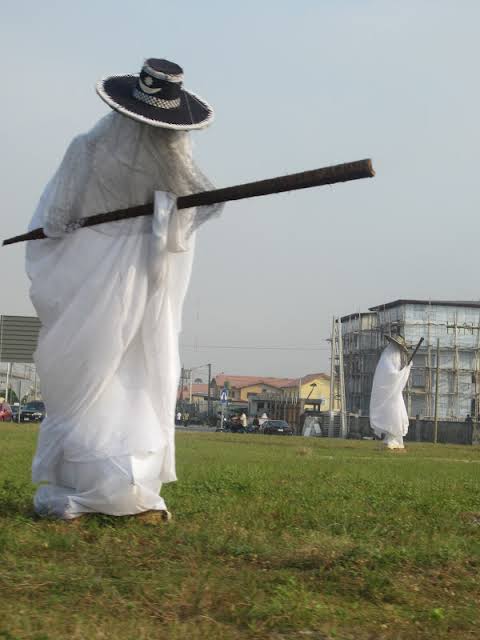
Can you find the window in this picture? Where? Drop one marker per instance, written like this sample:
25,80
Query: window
418,406
419,360
418,377
462,329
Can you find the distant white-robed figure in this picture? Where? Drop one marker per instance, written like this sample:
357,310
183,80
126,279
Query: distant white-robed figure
262,419
388,414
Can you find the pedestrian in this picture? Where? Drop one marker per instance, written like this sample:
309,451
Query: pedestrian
110,297
5,410
388,414
186,418
244,420
178,418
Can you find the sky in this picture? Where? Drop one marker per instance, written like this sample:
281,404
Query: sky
295,85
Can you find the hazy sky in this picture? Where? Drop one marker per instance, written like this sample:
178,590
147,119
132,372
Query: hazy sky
296,85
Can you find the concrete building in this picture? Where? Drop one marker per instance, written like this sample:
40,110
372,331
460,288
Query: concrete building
456,325
243,388
313,386
283,398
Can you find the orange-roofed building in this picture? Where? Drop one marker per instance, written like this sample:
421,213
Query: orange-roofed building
314,386
242,388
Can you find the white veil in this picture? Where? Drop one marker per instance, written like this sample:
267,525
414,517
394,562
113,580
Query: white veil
110,297
119,163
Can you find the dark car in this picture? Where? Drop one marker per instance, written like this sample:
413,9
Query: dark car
277,427
30,412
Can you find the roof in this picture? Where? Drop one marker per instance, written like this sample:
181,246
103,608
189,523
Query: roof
475,304
197,390
240,382
358,314
306,379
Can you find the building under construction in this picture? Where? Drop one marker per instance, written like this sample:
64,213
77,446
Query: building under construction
449,328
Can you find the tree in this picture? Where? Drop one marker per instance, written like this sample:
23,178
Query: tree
12,396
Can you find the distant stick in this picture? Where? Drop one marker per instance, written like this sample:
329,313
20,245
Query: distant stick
415,351
315,178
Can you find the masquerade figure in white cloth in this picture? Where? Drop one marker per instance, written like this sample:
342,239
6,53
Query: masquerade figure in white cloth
110,299
388,415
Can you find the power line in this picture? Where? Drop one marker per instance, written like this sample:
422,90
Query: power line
253,348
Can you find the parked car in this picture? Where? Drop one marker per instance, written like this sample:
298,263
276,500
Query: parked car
277,427
30,412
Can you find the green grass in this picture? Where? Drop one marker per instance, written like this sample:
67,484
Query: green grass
272,538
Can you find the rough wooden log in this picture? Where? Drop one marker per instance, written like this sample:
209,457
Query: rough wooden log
315,178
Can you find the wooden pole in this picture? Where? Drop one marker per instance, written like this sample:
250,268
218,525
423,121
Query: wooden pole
435,428
209,400
331,423
343,408
415,351
315,178
9,369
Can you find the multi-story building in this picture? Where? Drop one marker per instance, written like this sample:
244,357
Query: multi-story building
456,327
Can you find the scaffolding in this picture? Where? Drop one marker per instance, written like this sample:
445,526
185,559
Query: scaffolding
456,325
337,382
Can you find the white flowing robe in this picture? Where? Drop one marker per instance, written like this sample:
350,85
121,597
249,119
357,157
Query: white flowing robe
388,414
110,300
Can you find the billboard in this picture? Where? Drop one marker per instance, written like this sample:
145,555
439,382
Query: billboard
18,338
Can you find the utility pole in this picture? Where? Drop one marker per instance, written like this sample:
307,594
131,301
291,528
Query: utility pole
343,415
187,378
435,429
209,398
19,400
182,378
9,369
332,381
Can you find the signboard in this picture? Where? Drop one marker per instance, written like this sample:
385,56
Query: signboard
224,396
18,338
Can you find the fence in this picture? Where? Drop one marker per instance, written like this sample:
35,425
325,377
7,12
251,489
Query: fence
448,432
420,430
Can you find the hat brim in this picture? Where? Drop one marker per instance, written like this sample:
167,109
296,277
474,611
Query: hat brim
400,345
193,112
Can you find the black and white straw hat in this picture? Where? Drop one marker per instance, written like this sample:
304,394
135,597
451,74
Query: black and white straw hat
156,97
397,340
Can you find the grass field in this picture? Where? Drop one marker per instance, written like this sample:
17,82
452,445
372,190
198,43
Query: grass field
272,538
